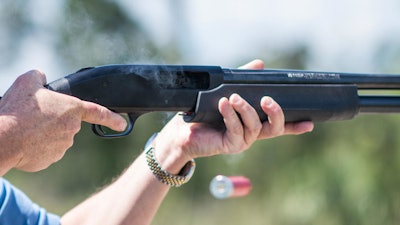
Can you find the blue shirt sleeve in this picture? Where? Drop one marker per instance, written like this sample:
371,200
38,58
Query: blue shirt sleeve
17,209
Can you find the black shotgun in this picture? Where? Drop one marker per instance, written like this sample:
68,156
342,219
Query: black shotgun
196,90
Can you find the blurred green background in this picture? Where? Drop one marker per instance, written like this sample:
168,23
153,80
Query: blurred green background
342,173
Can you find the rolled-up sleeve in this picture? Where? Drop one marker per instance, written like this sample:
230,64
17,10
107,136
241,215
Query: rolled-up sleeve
17,209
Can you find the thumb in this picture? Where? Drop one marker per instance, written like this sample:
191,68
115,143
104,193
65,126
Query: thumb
256,64
97,114
36,75
27,82
31,79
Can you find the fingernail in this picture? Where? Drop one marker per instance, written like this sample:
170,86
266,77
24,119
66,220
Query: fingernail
123,125
267,101
235,98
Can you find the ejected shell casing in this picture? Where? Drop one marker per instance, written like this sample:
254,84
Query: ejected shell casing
222,187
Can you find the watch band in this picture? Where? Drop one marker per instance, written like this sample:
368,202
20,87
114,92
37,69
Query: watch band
172,180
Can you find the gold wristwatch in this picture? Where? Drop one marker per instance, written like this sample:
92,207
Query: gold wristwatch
172,180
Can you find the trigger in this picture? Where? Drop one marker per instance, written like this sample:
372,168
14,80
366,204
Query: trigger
99,130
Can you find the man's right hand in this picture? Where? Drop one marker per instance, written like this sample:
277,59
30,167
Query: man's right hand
37,125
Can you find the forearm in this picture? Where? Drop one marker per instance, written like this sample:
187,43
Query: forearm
132,199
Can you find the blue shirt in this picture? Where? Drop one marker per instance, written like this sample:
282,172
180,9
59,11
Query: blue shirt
17,209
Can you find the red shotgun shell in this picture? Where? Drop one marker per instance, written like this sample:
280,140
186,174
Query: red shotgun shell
222,187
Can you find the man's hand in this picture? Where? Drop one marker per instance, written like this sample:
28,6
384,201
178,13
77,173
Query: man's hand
179,142
38,125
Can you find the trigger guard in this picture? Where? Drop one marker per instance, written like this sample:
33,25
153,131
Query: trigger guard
99,131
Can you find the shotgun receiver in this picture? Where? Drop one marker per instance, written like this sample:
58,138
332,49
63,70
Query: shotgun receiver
195,91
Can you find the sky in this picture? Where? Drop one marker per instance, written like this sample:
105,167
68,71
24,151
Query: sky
342,34
220,31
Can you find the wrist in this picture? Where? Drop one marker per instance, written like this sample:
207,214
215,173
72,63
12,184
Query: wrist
171,156
10,146
167,164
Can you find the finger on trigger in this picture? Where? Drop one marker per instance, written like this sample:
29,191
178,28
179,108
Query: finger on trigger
97,114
